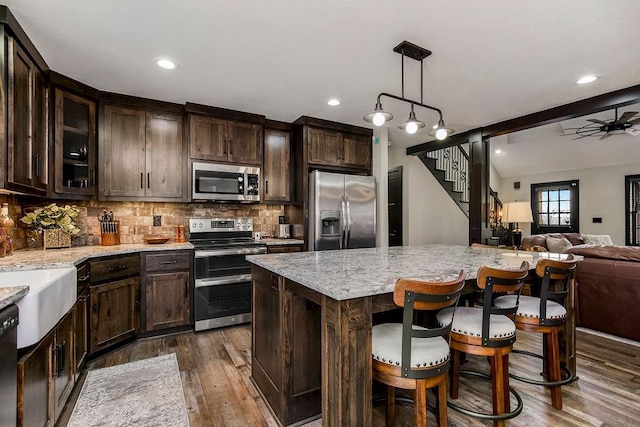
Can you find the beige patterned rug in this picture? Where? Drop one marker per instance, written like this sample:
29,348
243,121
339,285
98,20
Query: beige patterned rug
143,393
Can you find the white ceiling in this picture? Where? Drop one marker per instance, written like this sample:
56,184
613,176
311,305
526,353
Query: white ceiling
491,60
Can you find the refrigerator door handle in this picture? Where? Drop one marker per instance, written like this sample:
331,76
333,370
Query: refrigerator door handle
343,231
348,231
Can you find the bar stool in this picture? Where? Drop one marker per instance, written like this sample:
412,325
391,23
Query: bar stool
487,331
546,315
413,357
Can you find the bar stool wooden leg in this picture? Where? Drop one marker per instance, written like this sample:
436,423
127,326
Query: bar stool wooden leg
420,404
497,385
554,367
455,373
505,382
391,406
442,403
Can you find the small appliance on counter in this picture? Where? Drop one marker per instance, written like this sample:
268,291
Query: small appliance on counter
284,231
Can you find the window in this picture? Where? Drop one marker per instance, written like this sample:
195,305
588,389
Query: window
555,207
632,190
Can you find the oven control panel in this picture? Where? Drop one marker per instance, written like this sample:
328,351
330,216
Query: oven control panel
205,225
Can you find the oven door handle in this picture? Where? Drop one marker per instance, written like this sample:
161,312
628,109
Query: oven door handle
229,280
223,252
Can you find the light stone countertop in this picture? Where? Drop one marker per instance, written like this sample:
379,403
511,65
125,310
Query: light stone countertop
35,259
9,295
355,273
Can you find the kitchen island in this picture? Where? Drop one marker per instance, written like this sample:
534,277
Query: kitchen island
312,321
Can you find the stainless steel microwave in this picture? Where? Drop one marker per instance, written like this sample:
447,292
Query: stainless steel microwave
228,183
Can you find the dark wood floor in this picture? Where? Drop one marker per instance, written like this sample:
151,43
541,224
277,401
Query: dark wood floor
215,368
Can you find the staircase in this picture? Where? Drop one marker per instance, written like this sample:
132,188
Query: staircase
450,167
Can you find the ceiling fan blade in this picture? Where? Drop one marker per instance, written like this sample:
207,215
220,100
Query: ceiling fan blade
635,121
606,135
600,122
626,116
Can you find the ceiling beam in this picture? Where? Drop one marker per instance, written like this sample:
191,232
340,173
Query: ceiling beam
607,101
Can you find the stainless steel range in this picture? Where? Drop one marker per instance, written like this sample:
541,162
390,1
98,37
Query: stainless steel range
223,275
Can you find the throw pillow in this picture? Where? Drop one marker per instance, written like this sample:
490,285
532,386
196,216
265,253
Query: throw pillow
597,239
558,246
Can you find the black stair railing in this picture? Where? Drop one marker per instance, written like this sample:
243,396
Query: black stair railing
450,166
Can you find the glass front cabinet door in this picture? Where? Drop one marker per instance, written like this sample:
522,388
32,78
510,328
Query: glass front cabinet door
75,144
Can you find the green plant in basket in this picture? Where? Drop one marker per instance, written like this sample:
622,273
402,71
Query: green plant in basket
53,217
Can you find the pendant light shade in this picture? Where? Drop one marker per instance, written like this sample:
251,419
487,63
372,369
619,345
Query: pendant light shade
412,124
441,131
378,117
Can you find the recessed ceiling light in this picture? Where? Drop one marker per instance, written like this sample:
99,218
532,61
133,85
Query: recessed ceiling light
586,79
165,63
333,102
498,151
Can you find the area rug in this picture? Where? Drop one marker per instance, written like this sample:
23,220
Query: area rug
143,393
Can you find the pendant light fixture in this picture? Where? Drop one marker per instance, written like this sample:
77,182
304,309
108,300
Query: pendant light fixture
379,117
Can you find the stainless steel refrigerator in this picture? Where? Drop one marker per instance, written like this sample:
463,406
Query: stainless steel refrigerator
342,211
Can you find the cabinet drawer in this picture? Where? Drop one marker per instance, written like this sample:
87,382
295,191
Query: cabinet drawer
114,268
169,261
279,249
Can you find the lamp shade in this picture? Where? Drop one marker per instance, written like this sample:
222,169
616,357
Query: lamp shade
517,212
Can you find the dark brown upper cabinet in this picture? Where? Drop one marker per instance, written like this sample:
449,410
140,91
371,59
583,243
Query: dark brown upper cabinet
142,155
75,145
215,139
226,136
338,149
27,123
277,165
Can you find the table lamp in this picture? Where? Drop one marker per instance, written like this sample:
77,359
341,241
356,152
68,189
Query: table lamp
516,212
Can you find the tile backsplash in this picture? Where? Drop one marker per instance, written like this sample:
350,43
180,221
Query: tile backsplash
136,218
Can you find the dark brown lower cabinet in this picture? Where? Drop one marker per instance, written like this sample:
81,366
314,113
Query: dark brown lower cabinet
167,290
286,327
34,393
46,376
115,313
63,363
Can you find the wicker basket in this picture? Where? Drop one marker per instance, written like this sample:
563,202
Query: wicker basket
56,238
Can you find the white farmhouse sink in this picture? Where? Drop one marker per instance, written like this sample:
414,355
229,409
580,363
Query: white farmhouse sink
52,293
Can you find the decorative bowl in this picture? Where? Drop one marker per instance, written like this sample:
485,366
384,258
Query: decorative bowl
155,240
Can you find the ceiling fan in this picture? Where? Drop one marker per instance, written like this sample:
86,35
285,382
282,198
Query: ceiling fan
603,129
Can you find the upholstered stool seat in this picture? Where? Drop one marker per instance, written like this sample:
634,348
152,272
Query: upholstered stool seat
530,307
386,343
468,321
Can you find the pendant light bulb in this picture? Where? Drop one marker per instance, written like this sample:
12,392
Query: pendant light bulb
441,134
411,128
378,119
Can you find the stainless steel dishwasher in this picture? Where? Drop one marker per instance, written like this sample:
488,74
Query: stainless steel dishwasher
8,365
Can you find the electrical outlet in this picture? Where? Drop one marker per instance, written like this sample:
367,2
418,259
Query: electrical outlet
157,220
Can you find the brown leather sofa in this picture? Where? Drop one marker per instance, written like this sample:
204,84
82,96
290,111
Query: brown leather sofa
608,287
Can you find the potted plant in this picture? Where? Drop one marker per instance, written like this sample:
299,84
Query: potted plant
55,223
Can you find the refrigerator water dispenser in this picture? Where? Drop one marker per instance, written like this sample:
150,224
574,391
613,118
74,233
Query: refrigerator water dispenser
330,223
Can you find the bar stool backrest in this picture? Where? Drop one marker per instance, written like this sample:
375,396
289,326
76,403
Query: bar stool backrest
560,273
495,280
424,296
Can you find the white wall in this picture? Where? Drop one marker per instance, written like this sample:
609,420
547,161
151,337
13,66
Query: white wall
601,195
380,168
429,213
